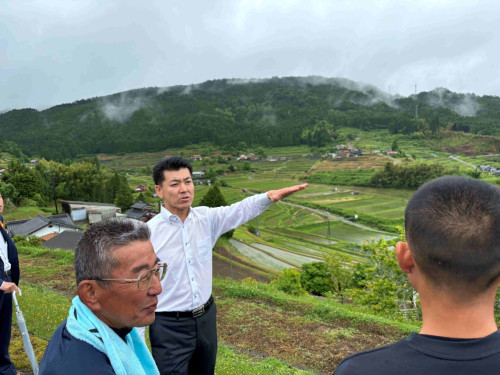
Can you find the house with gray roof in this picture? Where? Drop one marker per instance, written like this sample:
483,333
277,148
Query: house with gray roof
66,240
42,225
141,211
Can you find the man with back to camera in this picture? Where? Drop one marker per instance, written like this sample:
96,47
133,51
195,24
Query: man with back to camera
118,279
9,278
184,335
452,258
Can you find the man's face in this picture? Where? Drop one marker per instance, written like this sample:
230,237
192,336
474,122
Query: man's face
177,191
123,305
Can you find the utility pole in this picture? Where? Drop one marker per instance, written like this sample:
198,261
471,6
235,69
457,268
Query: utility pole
416,105
329,231
51,174
231,260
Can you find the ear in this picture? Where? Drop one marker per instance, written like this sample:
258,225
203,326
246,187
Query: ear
159,191
88,291
405,257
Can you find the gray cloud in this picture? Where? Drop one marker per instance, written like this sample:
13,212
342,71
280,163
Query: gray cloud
56,51
466,106
123,110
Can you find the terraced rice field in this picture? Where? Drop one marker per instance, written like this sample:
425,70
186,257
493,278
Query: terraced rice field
348,233
302,248
278,215
259,257
308,237
296,259
376,206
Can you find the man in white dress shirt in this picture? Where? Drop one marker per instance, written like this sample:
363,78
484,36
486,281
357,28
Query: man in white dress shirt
184,334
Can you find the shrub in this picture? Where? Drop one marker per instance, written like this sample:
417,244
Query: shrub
315,278
289,282
252,229
32,241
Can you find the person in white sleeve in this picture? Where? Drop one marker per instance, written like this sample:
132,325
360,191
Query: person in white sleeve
184,334
9,279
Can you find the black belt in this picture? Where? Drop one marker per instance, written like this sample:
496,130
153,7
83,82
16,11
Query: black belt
196,313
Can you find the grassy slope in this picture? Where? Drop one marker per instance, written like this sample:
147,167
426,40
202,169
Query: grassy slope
246,310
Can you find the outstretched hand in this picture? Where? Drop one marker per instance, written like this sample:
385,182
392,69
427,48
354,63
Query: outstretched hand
276,195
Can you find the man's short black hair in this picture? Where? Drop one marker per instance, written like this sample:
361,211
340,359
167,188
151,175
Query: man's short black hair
172,163
453,230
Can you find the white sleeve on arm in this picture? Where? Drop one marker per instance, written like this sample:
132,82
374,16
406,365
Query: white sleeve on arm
229,217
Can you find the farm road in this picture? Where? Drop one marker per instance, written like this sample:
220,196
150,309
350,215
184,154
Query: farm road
462,161
335,217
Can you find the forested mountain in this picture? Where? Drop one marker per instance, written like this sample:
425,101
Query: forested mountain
10,147
268,112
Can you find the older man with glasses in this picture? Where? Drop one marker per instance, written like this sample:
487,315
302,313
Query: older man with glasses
118,277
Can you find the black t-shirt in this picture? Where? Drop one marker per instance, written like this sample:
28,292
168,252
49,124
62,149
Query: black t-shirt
428,355
66,354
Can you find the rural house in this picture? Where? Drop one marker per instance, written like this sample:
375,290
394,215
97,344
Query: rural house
93,212
141,211
42,225
198,174
66,240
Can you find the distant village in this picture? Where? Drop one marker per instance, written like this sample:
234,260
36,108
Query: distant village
63,231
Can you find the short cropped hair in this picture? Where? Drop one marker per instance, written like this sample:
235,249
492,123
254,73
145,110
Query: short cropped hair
453,230
94,253
172,163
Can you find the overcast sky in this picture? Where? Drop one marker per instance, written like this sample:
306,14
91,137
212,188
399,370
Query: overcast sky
54,52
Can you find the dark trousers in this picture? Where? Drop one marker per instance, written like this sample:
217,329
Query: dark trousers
6,366
185,346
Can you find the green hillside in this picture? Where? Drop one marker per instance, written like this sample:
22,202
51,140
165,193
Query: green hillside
274,112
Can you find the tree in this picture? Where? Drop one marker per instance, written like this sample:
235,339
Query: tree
261,153
476,173
124,198
385,287
214,198
319,135
395,146
434,124
340,273
25,180
8,191
112,186
316,279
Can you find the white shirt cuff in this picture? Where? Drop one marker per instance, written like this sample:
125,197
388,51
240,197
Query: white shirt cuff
264,200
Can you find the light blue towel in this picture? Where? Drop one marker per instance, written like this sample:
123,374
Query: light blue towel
131,358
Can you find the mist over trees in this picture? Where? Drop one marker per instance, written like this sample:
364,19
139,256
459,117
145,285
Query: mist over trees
274,112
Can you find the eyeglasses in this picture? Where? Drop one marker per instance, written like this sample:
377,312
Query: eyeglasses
144,280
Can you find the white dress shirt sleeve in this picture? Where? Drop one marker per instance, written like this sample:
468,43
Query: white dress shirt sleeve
225,218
